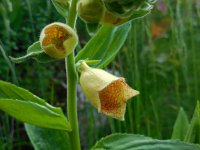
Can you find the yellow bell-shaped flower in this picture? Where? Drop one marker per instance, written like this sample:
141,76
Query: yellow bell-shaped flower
105,91
58,40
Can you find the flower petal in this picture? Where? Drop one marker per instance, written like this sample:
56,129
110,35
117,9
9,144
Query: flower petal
56,35
113,98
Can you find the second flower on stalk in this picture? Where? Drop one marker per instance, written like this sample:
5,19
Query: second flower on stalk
106,92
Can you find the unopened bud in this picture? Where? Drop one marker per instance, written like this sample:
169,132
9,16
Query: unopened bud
58,40
121,11
90,11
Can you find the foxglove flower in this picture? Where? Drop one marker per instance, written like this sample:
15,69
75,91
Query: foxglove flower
58,40
106,92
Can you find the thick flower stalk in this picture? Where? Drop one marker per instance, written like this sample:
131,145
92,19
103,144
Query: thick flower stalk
106,92
58,40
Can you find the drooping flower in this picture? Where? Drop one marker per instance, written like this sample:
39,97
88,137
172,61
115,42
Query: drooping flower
58,40
106,92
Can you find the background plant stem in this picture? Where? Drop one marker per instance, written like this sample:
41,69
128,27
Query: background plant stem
10,65
71,86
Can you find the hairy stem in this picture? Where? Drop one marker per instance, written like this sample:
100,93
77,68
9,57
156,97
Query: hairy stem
71,86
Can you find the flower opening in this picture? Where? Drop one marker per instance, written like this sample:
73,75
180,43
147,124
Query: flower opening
108,93
58,40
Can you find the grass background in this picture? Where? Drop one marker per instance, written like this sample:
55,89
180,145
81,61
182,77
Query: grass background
160,59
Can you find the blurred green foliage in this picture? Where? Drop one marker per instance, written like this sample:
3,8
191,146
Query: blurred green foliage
160,59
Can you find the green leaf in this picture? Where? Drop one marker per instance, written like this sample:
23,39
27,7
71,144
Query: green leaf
48,139
92,28
105,44
34,52
144,10
27,107
181,126
62,6
35,47
193,133
139,142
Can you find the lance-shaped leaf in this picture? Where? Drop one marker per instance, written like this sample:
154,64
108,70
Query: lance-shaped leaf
27,107
34,52
139,142
193,132
41,138
181,126
105,44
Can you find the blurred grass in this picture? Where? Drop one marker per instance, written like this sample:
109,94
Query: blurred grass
160,59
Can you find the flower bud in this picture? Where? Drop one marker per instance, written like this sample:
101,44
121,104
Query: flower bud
105,91
90,11
124,8
118,12
58,40
112,20
121,8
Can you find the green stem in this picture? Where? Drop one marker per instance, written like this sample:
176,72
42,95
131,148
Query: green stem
71,86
